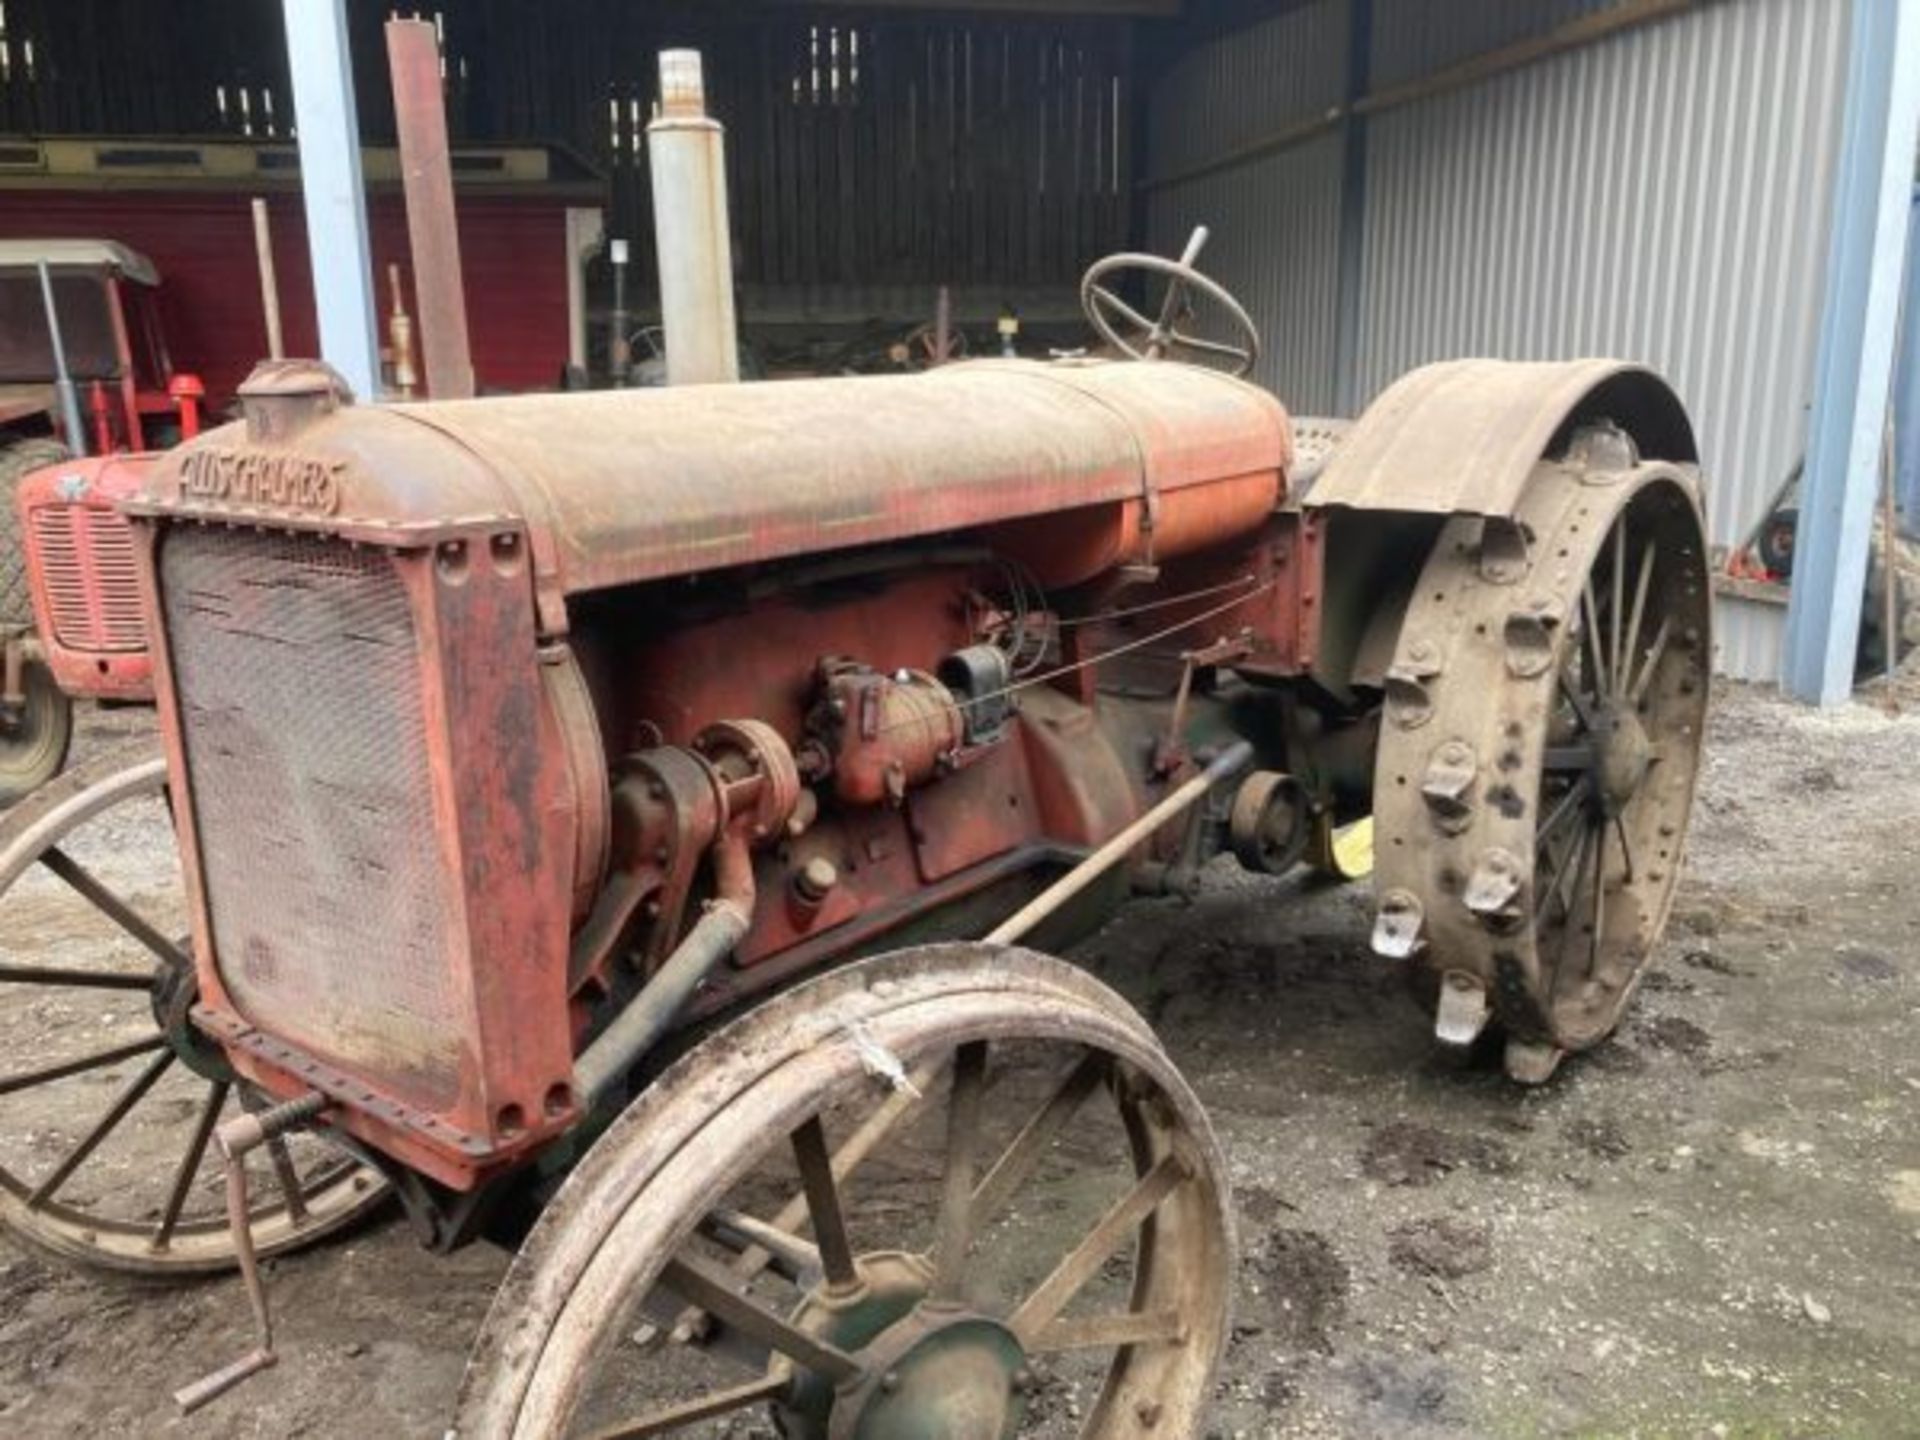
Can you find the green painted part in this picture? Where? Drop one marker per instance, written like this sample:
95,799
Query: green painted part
957,1384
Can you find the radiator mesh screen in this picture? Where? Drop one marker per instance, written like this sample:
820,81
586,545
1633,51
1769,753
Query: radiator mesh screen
299,685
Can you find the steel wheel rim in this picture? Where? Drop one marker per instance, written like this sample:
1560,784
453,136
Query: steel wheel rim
1481,745
1186,1242
183,1230
1608,839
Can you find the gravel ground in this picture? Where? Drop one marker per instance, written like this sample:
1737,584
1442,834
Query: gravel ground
1711,1226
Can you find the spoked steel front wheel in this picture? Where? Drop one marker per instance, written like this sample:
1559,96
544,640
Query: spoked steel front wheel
952,1191
109,1099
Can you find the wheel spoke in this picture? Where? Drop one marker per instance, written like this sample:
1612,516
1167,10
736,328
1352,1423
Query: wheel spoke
1626,847
285,1177
1569,863
26,1080
1170,308
955,1235
127,1099
1599,900
1590,636
111,905
1572,865
190,1164
815,1162
715,1291
1625,661
1652,662
1562,758
73,979
1123,309
1056,1292
1206,347
720,1402
1581,712
1017,1161
1567,805
851,1155
1104,1332
1616,664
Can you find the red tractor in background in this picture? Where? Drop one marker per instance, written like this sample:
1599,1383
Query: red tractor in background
65,553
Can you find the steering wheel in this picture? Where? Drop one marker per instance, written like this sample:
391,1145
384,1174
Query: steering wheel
1146,339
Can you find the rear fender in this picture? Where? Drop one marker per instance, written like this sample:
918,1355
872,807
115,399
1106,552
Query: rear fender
1461,437
1457,438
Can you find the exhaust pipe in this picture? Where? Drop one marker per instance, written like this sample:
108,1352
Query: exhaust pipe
686,149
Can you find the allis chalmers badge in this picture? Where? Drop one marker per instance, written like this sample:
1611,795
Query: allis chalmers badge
628,826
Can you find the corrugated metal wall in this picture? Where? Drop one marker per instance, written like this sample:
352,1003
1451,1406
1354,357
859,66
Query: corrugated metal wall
1661,194
1412,38
1275,220
1244,86
1279,257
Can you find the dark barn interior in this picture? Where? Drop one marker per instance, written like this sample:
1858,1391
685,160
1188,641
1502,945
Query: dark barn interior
875,152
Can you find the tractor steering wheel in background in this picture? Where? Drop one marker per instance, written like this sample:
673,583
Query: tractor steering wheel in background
1146,339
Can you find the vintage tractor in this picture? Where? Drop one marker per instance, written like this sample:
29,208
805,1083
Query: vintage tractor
64,550
628,826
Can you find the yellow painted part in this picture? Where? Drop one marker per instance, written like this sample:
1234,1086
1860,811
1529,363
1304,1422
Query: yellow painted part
1346,853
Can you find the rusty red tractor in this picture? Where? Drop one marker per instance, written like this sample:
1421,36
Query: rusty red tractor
629,827
65,552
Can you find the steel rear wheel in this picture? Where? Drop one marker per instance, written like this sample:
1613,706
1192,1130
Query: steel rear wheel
941,1192
107,1101
1542,742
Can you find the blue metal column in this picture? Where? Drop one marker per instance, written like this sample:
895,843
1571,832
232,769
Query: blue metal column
1853,376
1347,399
1906,381
336,196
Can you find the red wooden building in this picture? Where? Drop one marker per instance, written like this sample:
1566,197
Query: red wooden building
185,204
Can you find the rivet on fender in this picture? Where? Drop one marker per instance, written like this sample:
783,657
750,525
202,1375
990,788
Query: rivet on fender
1448,785
1398,926
1529,637
1503,550
1463,1011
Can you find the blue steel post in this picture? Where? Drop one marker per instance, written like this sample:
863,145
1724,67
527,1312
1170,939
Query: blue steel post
1347,399
1906,379
1853,376
335,195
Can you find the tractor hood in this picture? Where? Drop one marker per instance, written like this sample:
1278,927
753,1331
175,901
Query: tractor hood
620,487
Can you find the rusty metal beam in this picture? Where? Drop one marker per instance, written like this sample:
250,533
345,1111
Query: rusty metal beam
413,55
1573,35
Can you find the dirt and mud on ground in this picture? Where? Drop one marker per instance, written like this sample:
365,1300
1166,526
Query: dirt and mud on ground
1709,1227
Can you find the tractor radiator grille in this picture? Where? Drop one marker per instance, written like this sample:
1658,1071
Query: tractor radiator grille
86,558
300,696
